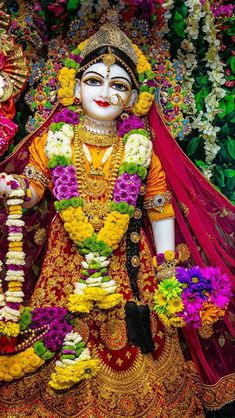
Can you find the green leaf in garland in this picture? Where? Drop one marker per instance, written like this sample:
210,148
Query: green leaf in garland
178,16
201,164
229,172
192,146
73,5
222,106
179,28
229,100
231,147
225,129
183,10
230,184
219,181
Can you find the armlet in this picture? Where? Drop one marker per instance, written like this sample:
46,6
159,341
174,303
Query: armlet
158,201
33,173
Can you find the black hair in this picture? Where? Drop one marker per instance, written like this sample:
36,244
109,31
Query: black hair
118,53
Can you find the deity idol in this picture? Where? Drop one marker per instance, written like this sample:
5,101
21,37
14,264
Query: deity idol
94,299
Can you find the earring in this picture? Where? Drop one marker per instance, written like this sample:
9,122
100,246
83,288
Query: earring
77,101
127,111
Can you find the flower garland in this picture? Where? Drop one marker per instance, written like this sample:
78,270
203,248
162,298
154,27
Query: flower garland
195,296
49,329
75,363
95,284
15,260
204,121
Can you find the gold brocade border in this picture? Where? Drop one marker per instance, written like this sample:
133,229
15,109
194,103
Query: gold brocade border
216,396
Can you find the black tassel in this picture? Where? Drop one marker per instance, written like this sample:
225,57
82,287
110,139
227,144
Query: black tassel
146,340
139,327
137,315
132,318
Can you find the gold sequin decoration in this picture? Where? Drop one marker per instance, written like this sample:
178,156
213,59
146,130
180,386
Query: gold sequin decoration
135,261
135,237
142,189
138,213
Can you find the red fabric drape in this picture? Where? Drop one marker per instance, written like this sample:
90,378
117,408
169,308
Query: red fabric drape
205,221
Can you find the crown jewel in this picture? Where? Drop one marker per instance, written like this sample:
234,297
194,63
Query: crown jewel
110,35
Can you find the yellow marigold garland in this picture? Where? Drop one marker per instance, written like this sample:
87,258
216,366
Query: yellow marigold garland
17,365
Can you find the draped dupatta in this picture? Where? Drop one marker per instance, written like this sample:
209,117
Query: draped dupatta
205,222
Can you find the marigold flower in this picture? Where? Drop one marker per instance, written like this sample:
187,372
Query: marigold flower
169,255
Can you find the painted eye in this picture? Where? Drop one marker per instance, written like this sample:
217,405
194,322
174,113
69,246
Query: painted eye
119,87
92,82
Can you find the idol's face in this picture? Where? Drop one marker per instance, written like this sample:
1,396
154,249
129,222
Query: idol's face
104,93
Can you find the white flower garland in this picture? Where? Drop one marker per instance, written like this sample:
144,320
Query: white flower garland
16,258
204,121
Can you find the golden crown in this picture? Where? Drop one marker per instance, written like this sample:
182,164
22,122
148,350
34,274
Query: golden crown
110,35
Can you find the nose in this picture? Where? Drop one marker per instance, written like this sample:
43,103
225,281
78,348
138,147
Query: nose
104,93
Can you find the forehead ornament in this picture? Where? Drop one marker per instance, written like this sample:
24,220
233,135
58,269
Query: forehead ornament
109,59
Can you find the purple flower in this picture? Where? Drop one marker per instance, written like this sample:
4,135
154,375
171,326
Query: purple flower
67,116
125,177
192,301
221,287
193,280
160,258
123,195
121,184
15,229
76,58
14,184
71,171
65,178
116,198
133,122
193,319
131,201
58,171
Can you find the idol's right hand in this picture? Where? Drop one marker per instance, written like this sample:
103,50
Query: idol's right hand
6,185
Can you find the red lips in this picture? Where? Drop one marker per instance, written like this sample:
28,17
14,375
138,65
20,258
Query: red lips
102,104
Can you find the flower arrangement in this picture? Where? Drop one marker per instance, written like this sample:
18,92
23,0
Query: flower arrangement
192,297
95,285
15,260
75,363
203,121
49,329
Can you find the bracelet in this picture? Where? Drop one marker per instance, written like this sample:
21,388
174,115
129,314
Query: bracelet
33,173
158,201
165,263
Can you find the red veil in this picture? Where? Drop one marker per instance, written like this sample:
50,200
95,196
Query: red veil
204,221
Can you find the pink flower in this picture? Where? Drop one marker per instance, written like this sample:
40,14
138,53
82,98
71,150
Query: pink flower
221,287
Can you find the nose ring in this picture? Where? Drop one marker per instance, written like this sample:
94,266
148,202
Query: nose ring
115,100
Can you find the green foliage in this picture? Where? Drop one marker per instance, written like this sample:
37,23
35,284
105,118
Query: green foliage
193,145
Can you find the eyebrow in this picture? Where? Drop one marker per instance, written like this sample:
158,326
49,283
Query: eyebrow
112,78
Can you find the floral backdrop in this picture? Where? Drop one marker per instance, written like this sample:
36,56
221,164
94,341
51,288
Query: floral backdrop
191,45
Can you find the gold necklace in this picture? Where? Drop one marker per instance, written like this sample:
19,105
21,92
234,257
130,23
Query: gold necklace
97,139
93,188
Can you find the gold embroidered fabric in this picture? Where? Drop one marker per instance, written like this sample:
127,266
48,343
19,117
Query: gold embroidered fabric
129,384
